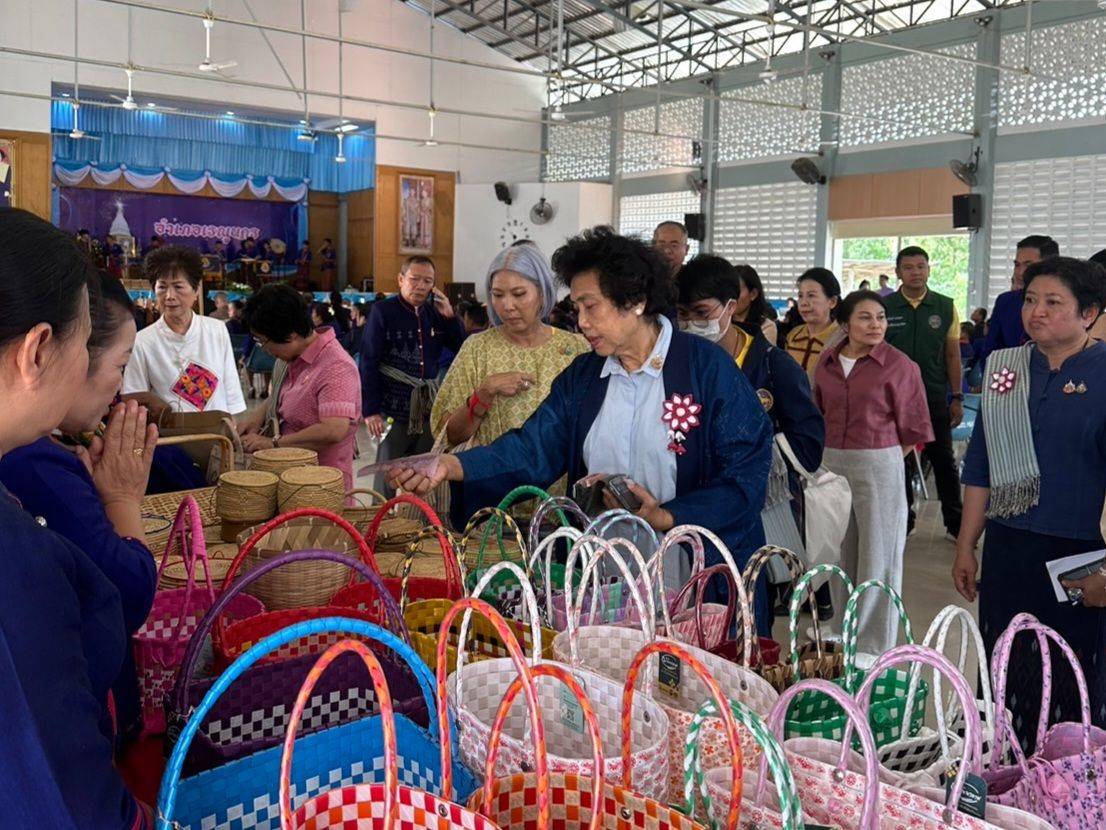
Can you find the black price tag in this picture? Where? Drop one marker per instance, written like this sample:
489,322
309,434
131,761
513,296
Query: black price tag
669,673
973,801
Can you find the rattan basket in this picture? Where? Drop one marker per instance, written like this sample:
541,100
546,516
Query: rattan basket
245,498
159,510
395,534
279,459
299,584
175,574
361,507
320,487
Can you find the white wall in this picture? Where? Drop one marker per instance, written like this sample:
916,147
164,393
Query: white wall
485,225
175,42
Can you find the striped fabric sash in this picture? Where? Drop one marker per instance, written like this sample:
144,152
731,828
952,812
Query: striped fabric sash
1011,455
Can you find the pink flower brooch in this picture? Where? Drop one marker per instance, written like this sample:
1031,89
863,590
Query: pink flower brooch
1002,381
681,415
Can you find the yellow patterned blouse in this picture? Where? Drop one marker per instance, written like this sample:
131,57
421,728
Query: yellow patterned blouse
489,353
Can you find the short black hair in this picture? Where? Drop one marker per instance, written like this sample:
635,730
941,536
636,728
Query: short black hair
629,270
43,274
417,259
707,277
164,262
1045,245
848,305
362,309
477,312
109,306
1086,280
981,308
1100,258
326,314
825,278
83,232
277,311
884,277
671,223
910,250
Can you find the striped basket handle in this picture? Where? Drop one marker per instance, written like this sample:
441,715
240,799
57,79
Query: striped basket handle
390,505
598,784
646,611
387,722
170,782
802,584
195,645
530,603
491,518
189,531
304,512
913,654
743,605
869,808
850,627
936,637
694,779
700,581
564,506
759,559
999,668
455,589
544,548
661,647
466,606
656,567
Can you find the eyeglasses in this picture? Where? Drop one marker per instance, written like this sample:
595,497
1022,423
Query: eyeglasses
686,313
261,341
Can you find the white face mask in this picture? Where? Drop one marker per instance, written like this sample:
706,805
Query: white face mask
711,329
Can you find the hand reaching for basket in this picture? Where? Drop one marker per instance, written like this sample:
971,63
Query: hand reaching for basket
427,474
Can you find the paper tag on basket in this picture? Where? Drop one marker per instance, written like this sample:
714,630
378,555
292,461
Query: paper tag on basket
572,714
973,801
668,675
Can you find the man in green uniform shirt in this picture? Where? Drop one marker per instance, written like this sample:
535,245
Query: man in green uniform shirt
925,325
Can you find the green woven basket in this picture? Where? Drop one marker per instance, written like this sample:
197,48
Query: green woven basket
814,715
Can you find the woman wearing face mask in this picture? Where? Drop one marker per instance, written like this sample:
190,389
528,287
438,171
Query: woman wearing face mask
87,482
1037,483
710,291
501,375
62,632
872,397
668,410
819,293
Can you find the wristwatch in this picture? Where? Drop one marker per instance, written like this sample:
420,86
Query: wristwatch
276,441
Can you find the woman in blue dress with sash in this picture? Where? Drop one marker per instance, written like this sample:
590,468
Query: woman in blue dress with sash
1035,476
62,635
668,409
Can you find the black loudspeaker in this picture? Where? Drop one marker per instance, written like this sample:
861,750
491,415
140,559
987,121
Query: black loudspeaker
696,225
967,211
503,193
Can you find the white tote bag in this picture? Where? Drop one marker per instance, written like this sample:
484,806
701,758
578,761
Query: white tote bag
827,505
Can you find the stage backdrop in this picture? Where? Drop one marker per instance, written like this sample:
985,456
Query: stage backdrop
183,220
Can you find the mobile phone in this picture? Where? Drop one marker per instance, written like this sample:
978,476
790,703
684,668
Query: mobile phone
618,485
589,496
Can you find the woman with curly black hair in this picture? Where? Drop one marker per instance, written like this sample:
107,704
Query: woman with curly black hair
669,410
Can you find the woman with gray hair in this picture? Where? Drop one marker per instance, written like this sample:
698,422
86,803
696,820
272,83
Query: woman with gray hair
501,375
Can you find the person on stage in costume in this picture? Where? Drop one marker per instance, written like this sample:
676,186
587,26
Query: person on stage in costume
665,408
1035,476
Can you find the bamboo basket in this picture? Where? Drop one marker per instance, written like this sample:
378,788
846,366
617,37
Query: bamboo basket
159,510
279,459
395,534
359,510
245,498
319,487
299,584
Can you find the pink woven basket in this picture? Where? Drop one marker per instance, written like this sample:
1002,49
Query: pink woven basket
160,644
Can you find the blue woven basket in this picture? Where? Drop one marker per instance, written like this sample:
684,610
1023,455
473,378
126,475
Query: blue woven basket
244,793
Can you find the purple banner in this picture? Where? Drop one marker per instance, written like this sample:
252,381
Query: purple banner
183,220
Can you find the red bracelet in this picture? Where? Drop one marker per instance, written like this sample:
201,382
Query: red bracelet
474,402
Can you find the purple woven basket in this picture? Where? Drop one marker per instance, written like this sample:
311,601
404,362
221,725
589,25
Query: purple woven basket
252,714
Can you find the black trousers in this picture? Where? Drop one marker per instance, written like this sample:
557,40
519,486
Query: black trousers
938,453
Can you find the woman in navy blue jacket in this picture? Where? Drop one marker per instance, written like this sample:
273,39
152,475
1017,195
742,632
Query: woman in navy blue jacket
62,632
94,499
667,409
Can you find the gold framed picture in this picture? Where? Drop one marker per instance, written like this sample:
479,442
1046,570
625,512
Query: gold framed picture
416,214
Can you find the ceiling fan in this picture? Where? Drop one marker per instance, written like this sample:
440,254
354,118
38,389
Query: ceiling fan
77,132
128,102
208,65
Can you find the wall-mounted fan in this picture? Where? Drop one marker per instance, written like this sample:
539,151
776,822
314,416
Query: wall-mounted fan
542,211
966,170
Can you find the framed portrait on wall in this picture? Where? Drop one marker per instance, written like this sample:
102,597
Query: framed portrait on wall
7,173
416,214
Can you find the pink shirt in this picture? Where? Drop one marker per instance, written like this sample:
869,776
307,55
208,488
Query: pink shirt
322,383
881,404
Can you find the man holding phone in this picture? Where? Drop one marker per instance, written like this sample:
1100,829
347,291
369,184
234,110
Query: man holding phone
400,361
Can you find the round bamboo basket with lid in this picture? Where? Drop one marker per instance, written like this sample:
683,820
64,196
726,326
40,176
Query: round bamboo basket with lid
395,534
175,574
426,562
320,487
245,498
299,584
361,507
279,459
